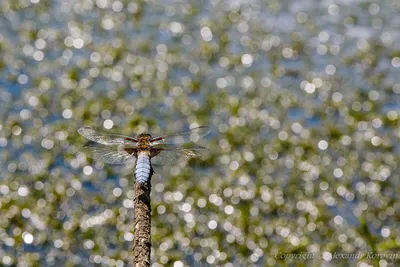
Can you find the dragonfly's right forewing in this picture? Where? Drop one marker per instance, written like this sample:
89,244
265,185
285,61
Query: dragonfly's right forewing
191,135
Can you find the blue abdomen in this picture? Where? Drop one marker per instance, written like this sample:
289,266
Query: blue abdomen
142,171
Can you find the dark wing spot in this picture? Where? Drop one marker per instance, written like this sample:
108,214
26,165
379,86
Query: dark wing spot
131,150
155,151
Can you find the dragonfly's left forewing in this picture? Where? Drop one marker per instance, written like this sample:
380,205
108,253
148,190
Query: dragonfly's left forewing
105,138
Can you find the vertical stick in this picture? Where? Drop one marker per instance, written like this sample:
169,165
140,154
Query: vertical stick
142,224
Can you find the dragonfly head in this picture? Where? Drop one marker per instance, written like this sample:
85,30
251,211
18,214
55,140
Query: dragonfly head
144,136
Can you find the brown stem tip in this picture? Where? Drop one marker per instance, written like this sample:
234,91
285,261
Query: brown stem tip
142,224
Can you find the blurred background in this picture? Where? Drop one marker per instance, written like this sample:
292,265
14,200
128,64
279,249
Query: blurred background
302,98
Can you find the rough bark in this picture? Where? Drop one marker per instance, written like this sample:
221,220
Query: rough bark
142,224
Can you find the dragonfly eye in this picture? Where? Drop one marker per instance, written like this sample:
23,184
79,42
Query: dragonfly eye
146,135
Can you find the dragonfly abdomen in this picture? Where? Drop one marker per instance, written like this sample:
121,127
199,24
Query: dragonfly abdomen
142,171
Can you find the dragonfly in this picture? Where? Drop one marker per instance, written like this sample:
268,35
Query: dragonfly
144,150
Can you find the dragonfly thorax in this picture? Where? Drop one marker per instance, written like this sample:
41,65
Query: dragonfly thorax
144,141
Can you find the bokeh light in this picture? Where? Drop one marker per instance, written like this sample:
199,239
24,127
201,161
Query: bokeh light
303,98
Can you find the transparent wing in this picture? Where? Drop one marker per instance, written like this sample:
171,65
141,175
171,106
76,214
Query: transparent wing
114,154
172,155
192,135
104,138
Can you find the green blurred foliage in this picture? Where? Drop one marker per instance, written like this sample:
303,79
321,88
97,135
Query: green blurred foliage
302,97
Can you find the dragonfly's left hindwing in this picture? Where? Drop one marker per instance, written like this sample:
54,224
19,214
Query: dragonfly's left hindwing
113,154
